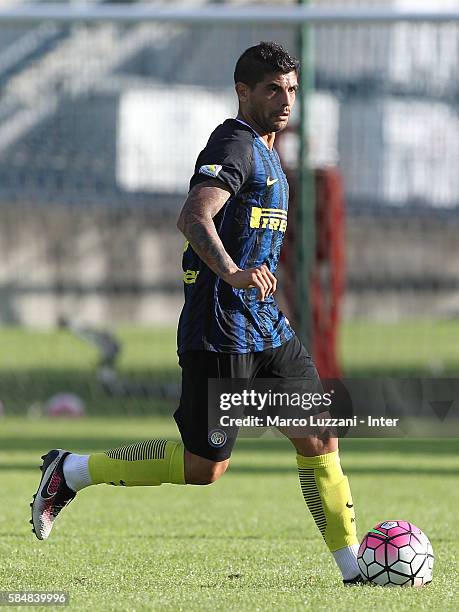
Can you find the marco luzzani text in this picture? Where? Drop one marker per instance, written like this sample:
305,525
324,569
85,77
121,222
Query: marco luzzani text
265,402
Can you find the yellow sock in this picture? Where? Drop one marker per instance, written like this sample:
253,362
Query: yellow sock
328,497
147,463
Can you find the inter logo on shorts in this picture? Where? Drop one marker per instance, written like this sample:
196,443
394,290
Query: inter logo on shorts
217,438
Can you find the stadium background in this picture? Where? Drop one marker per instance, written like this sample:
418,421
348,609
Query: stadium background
100,125
99,128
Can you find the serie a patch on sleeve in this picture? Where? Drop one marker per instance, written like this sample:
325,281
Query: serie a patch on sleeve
210,170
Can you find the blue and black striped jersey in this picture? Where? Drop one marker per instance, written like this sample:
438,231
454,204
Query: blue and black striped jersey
251,225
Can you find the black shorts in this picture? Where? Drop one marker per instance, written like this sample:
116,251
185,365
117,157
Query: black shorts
289,361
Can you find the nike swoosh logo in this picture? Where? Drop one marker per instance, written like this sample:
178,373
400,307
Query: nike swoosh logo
270,181
348,505
51,487
44,496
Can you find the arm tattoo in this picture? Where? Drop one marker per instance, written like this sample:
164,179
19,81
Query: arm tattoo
196,223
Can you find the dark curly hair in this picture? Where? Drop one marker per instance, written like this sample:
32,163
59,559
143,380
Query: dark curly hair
263,59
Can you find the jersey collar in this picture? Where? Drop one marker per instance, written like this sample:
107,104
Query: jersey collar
255,132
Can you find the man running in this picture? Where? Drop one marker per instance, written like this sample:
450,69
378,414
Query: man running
234,220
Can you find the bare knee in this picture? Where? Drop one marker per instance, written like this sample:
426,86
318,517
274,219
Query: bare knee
201,471
312,442
321,441
315,445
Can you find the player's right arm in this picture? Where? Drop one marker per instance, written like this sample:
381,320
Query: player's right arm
196,223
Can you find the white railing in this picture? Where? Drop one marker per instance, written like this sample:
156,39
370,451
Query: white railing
34,92
285,15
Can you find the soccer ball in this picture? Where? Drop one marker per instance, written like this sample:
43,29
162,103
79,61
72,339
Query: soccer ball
396,553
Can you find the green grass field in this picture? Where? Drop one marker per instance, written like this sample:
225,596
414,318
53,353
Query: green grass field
246,542
36,364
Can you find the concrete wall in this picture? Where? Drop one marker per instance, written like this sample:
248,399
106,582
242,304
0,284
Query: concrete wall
107,267
98,267
402,267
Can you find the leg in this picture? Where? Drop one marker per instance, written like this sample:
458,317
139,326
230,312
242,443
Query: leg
201,471
323,484
194,461
147,463
152,462
327,494
180,467
312,445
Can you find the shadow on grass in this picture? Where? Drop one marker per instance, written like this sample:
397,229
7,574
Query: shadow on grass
361,470
77,443
407,446
281,469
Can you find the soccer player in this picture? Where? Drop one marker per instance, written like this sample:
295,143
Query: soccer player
234,220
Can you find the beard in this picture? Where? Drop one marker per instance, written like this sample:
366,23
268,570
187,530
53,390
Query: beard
271,124
279,125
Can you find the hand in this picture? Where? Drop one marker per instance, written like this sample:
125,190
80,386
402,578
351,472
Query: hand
261,278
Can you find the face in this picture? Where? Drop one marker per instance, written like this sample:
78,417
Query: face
270,102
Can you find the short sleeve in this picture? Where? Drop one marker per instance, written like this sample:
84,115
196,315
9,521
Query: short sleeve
227,157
